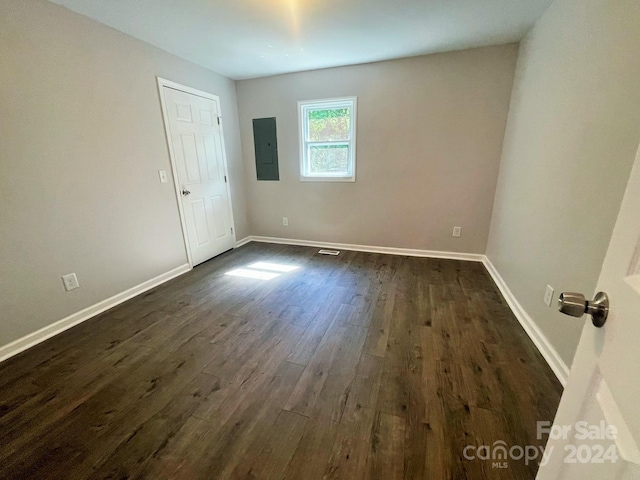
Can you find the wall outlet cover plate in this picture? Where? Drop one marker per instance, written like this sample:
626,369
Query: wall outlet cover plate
70,282
548,295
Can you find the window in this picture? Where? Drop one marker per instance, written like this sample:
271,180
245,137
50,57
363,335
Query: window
328,140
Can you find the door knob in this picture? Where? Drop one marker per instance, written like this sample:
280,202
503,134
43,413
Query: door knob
185,192
576,305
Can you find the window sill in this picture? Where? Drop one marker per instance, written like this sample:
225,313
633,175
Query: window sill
328,179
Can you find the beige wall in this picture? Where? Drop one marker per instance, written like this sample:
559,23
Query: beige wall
81,143
429,138
573,130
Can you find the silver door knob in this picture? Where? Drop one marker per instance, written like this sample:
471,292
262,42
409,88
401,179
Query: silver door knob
576,305
185,192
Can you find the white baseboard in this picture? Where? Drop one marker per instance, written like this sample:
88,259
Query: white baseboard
537,337
243,241
55,328
410,252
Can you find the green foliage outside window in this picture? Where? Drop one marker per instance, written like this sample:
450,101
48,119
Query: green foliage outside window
329,125
329,158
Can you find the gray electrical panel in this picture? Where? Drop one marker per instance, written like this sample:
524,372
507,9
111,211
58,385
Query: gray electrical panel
266,147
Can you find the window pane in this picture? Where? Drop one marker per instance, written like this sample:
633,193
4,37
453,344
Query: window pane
329,124
332,159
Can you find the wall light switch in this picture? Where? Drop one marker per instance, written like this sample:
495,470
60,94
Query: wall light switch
70,282
457,231
548,296
285,221
163,176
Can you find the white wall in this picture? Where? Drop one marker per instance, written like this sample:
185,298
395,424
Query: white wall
573,130
429,139
81,143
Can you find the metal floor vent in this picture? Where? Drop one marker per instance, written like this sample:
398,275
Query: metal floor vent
329,252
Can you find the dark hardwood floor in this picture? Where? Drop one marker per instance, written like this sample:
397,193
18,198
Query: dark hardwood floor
357,366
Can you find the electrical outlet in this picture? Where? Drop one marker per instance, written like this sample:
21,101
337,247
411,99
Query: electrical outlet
70,282
457,231
163,176
285,221
548,295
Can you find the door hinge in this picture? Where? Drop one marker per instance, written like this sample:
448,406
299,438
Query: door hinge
225,179
218,120
232,231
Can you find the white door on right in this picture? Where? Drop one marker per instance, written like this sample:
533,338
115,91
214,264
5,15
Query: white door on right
596,431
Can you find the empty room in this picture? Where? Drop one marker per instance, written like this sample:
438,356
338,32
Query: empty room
311,239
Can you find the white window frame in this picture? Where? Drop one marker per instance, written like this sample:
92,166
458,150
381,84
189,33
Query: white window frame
303,108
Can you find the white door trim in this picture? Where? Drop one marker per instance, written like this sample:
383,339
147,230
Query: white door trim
162,82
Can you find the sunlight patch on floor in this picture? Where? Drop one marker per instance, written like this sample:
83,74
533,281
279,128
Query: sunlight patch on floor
262,270
276,267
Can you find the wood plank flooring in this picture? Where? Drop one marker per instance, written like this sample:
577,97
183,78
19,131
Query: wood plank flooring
361,366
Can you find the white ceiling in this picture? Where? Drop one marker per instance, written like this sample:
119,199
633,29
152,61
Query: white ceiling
254,38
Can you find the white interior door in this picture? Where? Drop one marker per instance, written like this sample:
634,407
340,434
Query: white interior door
603,390
199,161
